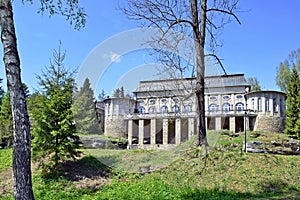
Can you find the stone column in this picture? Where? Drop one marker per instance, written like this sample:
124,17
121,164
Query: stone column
112,110
141,132
218,123
130,131
178,131
165,131
232,124
206,102
153,131
191,128
271,105
263,104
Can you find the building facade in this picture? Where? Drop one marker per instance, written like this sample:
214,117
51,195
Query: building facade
164,113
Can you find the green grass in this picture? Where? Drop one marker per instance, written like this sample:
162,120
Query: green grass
5,159
227,173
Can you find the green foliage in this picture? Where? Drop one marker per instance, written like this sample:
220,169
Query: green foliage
54,132
6,121
284,71
69,9
84,110
254,83
292,121
119,92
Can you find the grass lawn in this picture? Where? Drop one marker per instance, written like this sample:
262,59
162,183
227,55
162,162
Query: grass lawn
227,173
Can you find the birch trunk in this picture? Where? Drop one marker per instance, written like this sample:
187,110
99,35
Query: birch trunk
22,145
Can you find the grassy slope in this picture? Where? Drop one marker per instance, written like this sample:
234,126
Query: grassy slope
226,173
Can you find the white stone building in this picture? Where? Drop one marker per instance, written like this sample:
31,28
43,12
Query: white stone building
163,112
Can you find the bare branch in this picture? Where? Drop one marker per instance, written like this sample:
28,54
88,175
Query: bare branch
226,12
219,62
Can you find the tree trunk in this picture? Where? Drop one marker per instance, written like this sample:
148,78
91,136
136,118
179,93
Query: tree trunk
21,153
199,41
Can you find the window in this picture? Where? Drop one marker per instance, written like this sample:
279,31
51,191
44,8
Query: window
259,104
152,109
213,98
164,109
239,96
164,100
152,101
176,100
226,107
213,107
275,107
141,109
267,104
252,103
239,106
175,109
226,97
188,108
141,101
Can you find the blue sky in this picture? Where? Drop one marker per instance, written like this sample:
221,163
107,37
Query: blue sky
269,32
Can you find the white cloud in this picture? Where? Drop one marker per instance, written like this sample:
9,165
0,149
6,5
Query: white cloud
114,57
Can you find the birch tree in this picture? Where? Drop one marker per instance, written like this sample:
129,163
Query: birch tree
201,20
22,142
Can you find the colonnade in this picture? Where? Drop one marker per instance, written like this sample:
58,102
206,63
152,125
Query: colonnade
137,129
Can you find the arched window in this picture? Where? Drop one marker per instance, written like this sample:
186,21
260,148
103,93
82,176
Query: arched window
213,107
164,109
239,106
252,103
141,109
175,109
152,109
226,107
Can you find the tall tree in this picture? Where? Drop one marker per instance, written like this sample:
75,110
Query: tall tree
292,122
284,71
22,143
254,84
84,110
198,19
54,130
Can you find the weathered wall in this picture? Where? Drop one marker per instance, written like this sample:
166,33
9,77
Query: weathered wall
116,128
269,124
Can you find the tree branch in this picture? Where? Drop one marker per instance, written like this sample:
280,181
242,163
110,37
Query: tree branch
219,62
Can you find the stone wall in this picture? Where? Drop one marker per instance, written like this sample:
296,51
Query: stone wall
269,124
116,128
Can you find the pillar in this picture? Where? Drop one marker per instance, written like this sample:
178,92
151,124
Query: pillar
153,131
218,123
178,131
141,132
165,131
232,124
191,128
130,131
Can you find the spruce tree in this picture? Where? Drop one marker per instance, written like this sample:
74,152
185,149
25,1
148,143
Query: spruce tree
292,126
84,110
54,132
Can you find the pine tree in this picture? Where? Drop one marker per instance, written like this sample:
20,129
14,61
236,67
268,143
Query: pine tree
54,130
292,126
84,110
